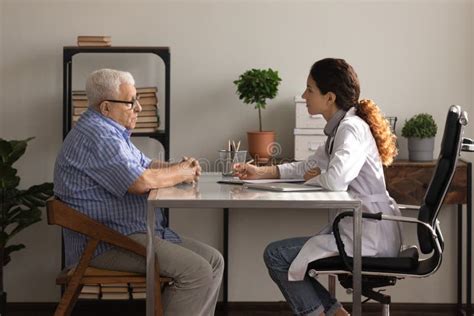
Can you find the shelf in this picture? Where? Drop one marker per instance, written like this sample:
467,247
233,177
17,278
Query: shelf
163,136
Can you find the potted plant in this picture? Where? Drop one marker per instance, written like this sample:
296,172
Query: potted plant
255,86
420,131
19,208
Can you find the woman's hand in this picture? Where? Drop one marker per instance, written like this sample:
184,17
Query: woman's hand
311,173
246,171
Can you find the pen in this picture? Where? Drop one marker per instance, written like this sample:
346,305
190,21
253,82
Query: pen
250,161
238,146
228,146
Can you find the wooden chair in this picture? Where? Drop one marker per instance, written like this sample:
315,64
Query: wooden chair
74,279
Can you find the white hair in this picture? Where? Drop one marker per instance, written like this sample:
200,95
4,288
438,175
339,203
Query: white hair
105,84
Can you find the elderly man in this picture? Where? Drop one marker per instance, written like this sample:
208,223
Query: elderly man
101,173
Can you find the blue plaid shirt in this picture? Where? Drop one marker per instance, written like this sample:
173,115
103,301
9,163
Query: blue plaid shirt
93,171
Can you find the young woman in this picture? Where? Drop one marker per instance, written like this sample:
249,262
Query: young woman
359,143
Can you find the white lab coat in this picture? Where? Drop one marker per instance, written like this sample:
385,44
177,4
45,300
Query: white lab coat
354,165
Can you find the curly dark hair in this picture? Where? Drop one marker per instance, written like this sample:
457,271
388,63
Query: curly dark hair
337,76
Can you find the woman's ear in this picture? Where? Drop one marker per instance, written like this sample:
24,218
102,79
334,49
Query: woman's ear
331,97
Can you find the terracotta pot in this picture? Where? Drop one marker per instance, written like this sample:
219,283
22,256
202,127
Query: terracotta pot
261,145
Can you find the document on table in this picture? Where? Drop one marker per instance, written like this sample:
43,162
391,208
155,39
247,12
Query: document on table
236,180
282,187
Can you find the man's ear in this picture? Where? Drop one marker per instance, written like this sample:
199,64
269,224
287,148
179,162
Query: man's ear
104,108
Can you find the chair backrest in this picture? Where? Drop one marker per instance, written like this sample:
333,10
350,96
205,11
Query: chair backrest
62,215
441,179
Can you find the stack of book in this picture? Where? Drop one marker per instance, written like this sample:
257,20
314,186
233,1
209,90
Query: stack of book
90,292
115,291
138,291
79,105
95,41
148,119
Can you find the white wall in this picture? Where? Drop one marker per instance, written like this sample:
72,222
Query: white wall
411,56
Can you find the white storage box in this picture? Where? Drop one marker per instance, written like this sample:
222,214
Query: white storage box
306,120
307,141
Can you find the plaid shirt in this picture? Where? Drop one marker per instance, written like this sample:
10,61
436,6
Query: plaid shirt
93,171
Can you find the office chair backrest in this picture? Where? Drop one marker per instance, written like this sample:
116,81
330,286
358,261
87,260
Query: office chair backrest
441,179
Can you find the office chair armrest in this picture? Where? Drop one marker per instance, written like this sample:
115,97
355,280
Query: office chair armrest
408,207
377,216
337,234
467,144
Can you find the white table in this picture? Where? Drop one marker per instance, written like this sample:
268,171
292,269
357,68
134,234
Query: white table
209,194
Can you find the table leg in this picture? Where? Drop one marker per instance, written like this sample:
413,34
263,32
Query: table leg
150,261
469,242
460,260
226,258
357,268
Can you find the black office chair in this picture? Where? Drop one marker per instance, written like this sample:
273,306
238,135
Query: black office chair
380,272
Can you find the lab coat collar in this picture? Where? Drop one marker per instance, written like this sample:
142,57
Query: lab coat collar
331,126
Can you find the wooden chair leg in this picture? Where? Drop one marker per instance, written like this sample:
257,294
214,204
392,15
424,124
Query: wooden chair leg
158,303
73,289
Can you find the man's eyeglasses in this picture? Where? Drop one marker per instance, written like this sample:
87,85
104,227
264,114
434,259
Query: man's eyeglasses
130,104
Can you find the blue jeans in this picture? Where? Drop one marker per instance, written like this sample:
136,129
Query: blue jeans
306,297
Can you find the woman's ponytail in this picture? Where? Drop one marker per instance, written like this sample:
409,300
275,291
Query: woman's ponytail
380,128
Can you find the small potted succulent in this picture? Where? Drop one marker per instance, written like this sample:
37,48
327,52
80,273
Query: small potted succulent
255,86
420,130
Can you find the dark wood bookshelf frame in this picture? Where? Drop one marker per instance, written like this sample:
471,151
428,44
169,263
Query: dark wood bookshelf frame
161,135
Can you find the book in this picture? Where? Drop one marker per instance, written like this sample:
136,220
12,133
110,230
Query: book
147,119
146,94
147,113
94,38
114,289
148,107
99,44
79,97
139,296
115,296
80,103
145,130
146,124
148,101
146,89
138,289
92,288
89,296
79,111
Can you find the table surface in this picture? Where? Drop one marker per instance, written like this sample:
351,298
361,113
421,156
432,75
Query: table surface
208,193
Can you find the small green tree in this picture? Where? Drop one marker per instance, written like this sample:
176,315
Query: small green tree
255,86
19,208
421,125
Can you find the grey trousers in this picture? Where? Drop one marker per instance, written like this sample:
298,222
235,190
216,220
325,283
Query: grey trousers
195,267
